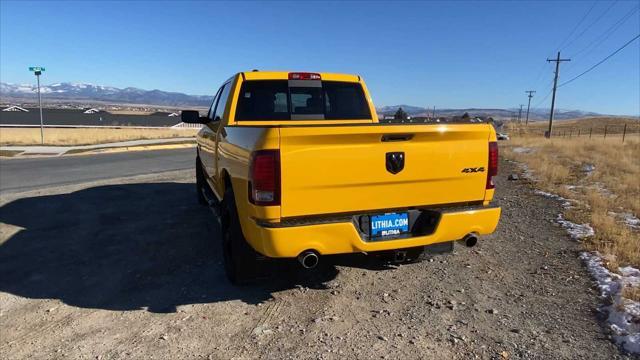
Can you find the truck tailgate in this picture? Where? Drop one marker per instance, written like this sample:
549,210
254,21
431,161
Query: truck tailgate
341,169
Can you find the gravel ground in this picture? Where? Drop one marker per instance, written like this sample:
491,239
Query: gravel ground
132,269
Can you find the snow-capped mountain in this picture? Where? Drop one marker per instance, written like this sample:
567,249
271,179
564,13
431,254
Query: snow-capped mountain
130,95
84,92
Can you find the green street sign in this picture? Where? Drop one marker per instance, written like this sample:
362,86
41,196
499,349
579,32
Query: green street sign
36,68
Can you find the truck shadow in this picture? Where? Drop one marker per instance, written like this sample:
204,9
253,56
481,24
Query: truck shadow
124,247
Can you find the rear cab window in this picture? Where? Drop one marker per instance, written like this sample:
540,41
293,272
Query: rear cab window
301,100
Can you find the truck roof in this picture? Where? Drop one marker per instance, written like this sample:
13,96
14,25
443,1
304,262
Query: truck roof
284,75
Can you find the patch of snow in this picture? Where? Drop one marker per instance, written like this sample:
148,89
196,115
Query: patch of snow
627,218
588,168
25,88
631,220
623,314
523,150
599,187
526,172
566,203
576,231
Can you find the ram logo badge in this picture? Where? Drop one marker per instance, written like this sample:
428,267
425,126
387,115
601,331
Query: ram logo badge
473,170
395,162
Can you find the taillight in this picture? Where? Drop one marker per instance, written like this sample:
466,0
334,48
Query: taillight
304,76
264,178
493,164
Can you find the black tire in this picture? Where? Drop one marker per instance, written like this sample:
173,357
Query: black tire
240,260
200,183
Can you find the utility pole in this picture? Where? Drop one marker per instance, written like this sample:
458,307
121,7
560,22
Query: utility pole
557,60
520,114
530,92
37,70
38,73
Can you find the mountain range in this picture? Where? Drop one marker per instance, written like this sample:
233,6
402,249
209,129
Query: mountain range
89,92
75,92
534,114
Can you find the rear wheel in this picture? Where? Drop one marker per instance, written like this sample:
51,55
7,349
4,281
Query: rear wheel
240,260
200,183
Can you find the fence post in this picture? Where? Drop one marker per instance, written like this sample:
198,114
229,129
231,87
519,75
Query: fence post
578,132
590,131
605,131
624,132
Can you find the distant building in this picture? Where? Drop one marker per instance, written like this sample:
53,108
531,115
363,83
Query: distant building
15,108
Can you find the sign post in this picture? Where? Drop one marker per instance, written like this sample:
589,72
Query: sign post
37,70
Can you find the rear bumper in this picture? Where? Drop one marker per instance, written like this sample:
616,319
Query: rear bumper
343,237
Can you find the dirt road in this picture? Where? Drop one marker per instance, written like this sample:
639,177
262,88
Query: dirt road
132,270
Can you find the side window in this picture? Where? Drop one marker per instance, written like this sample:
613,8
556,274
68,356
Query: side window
222,102
213,105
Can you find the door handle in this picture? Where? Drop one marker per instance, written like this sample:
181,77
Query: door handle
396,137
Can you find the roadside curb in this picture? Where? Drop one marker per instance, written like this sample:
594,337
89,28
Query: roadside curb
117,149
55,151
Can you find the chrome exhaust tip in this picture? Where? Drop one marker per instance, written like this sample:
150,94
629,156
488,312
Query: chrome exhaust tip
308,259
470,240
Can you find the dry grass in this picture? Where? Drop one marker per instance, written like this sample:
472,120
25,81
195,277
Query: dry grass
86,136
612,188
631,293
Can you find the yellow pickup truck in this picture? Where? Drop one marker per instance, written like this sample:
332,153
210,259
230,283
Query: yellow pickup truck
297,165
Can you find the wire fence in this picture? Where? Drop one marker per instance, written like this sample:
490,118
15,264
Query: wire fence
618,131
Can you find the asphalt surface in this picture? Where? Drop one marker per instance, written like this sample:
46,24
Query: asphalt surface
17,175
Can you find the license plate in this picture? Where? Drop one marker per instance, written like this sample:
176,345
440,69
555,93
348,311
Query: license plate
389,224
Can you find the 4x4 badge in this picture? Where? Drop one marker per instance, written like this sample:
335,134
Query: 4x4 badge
473,170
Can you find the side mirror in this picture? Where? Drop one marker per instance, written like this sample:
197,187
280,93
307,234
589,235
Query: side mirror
193,117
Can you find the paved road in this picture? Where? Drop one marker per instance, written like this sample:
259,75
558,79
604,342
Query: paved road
18,175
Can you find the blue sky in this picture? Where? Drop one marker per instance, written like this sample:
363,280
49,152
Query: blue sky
447,54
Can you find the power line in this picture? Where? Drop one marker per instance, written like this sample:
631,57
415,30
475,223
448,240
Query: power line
607,33
540,72
601,61
537,106
592,23
577,25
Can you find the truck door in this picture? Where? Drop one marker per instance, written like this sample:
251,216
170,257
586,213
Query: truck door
217,127
206,145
